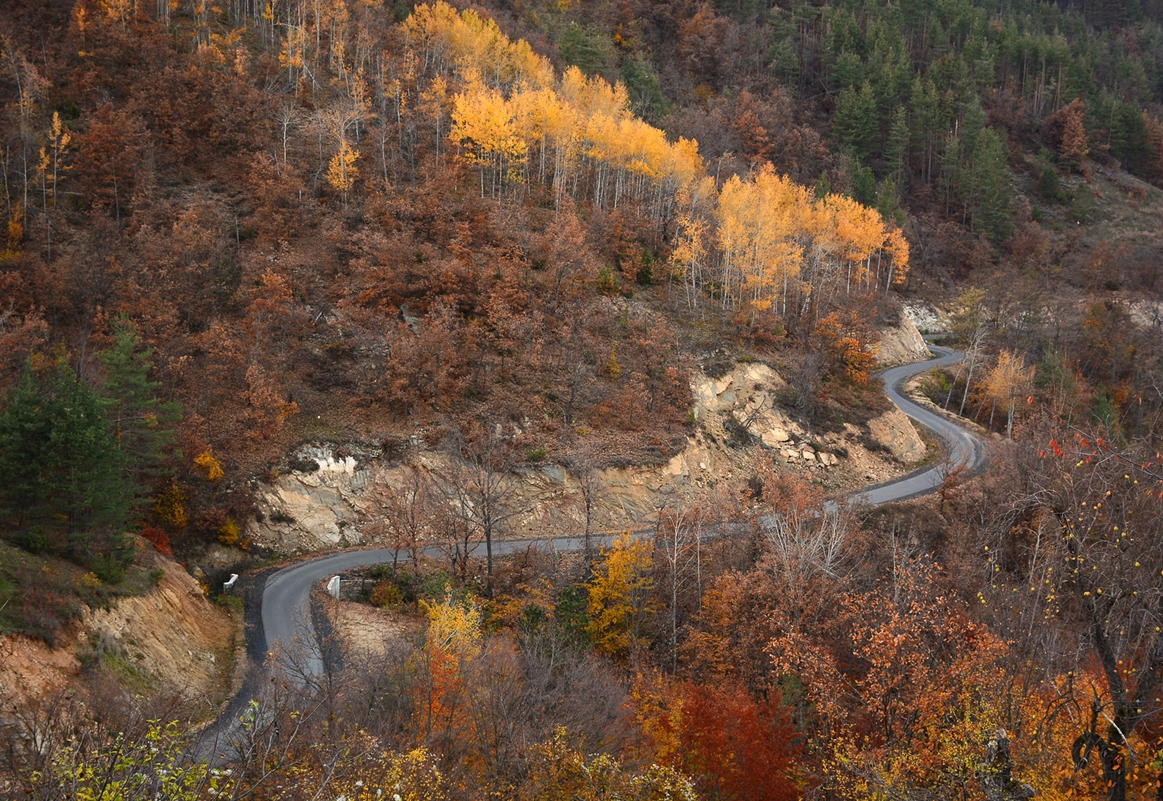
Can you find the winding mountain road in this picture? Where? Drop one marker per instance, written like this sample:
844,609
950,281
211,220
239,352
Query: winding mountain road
964,448
286,621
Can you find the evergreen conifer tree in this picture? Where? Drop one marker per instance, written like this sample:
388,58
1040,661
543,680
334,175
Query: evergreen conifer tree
856,121
896,150
986,188
142,425
60,468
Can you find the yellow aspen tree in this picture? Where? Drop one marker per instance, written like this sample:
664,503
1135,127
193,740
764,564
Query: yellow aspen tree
483,125
59,144
581,129
1008,381
435,105
620,603
292,56
784,205
269,17
201,9
684,162
897,248
42,170
15,232
859,230
119,11
475,44
81,20
758,223
208,462
454,626
342,171
688,256
453,640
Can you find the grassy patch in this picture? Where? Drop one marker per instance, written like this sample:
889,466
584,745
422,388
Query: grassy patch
40,594
934,448
105,655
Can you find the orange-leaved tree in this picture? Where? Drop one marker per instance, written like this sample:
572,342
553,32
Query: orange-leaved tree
736,746
905,689
1084,554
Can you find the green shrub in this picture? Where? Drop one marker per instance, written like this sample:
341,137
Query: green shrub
608,281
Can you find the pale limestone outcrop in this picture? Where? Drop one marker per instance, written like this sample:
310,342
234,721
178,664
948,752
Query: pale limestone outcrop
900,344
315,505
894,430
327,498
926,317
749,394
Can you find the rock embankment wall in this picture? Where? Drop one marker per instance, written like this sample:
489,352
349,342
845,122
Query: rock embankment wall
171,638
329,496
900,344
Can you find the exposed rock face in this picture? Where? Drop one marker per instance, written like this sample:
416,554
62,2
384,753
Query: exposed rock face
927,318
744,404
314,504
894,430
320,501
1147,313
30,669
900,345
725,392
172,632
749,394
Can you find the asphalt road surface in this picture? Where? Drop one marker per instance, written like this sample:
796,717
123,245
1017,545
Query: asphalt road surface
962,448
286,623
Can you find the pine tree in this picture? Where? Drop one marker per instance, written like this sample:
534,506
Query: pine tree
24,436
985,187
888,201
896,151
856,122
864,186
142,425
972,124
60,467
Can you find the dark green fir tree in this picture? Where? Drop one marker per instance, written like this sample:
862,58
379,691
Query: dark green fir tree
60,468
142,424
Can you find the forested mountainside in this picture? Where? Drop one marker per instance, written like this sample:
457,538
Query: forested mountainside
480,241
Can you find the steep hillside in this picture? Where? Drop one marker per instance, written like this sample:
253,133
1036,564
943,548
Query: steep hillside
282,276
351,242
167,639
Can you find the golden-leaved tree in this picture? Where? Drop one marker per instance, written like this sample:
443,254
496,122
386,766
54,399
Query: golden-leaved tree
1006,383
510,103
620,603
485,126
759,223
782,250
524,128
